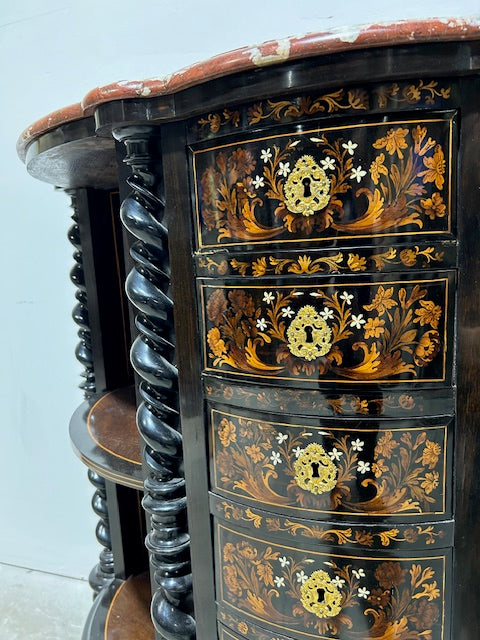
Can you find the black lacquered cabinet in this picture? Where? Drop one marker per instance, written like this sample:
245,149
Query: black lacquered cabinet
305,331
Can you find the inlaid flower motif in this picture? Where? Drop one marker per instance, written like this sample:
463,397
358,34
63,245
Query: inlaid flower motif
379,467
216,306
287,312
350,147
382,301
393,142
431,482
435,168
328,163
427,614
279,581
216,344
284,562
389,574
268,297
377,168
254,453
385,445
357,445
434,207
243,627
427,348
356,263
347,297
374,327
301,576
363,467
258,182
327,314
335,454
281,437
429,313
283,168
297,451
379,598
266,154
227,432
408,257
430,454
338,582
261,324
358,173
406,401
276,458
363,592
230,576
358,573
357,321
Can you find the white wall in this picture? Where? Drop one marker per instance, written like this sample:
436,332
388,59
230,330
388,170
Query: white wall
52,53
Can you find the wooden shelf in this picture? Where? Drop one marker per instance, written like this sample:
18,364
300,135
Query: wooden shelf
121,611
104,435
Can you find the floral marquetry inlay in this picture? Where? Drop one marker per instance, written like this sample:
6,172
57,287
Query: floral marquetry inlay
353,331
363,597
330,469
354,181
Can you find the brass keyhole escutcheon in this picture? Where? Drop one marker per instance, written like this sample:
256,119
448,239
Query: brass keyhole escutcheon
320,596
314,471
307,188
309,336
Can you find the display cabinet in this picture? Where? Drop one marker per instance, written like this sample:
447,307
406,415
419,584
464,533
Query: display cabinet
300,237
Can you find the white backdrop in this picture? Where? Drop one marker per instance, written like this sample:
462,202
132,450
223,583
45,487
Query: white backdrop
52,53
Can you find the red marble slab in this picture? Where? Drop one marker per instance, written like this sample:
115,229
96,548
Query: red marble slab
268,53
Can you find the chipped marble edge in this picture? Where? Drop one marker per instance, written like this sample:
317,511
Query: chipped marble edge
269,53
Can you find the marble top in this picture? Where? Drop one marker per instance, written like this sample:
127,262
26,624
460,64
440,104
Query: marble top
269,53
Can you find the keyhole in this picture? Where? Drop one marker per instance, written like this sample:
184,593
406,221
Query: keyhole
315,467
321,595
306,188
308,335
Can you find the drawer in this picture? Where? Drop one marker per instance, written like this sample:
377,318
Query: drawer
329,469
349,331
304,593
313,184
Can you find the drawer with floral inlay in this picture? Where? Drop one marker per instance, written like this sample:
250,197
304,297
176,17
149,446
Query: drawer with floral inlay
348,330
300,592
331,469
313,184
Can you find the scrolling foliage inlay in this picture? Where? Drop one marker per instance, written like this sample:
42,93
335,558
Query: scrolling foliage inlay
363,332
355,181
384,599
361,471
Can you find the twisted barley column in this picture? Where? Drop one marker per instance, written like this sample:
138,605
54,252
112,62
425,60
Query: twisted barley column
103,572
152,356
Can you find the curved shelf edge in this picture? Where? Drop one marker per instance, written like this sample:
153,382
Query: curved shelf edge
104,436
121,611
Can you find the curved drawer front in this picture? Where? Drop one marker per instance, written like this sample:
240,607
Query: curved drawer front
314,184
391,469
308,594
398,330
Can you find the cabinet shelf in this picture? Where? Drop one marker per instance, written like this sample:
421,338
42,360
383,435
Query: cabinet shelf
104,435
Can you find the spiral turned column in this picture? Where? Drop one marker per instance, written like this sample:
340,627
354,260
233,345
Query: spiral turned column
152,357
104,571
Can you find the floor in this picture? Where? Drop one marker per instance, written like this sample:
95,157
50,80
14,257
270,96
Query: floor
41,606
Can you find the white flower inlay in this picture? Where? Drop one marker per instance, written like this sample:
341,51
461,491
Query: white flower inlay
261,324
363,592
357,321
287,312
284,168
327,314
268,297
279,581
328,163
363,467
357,445
358,574
338,582
297,451
258,182
350,146
266,154
301,576
358,173
275,458
283,561
348,297
281,437
335,454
